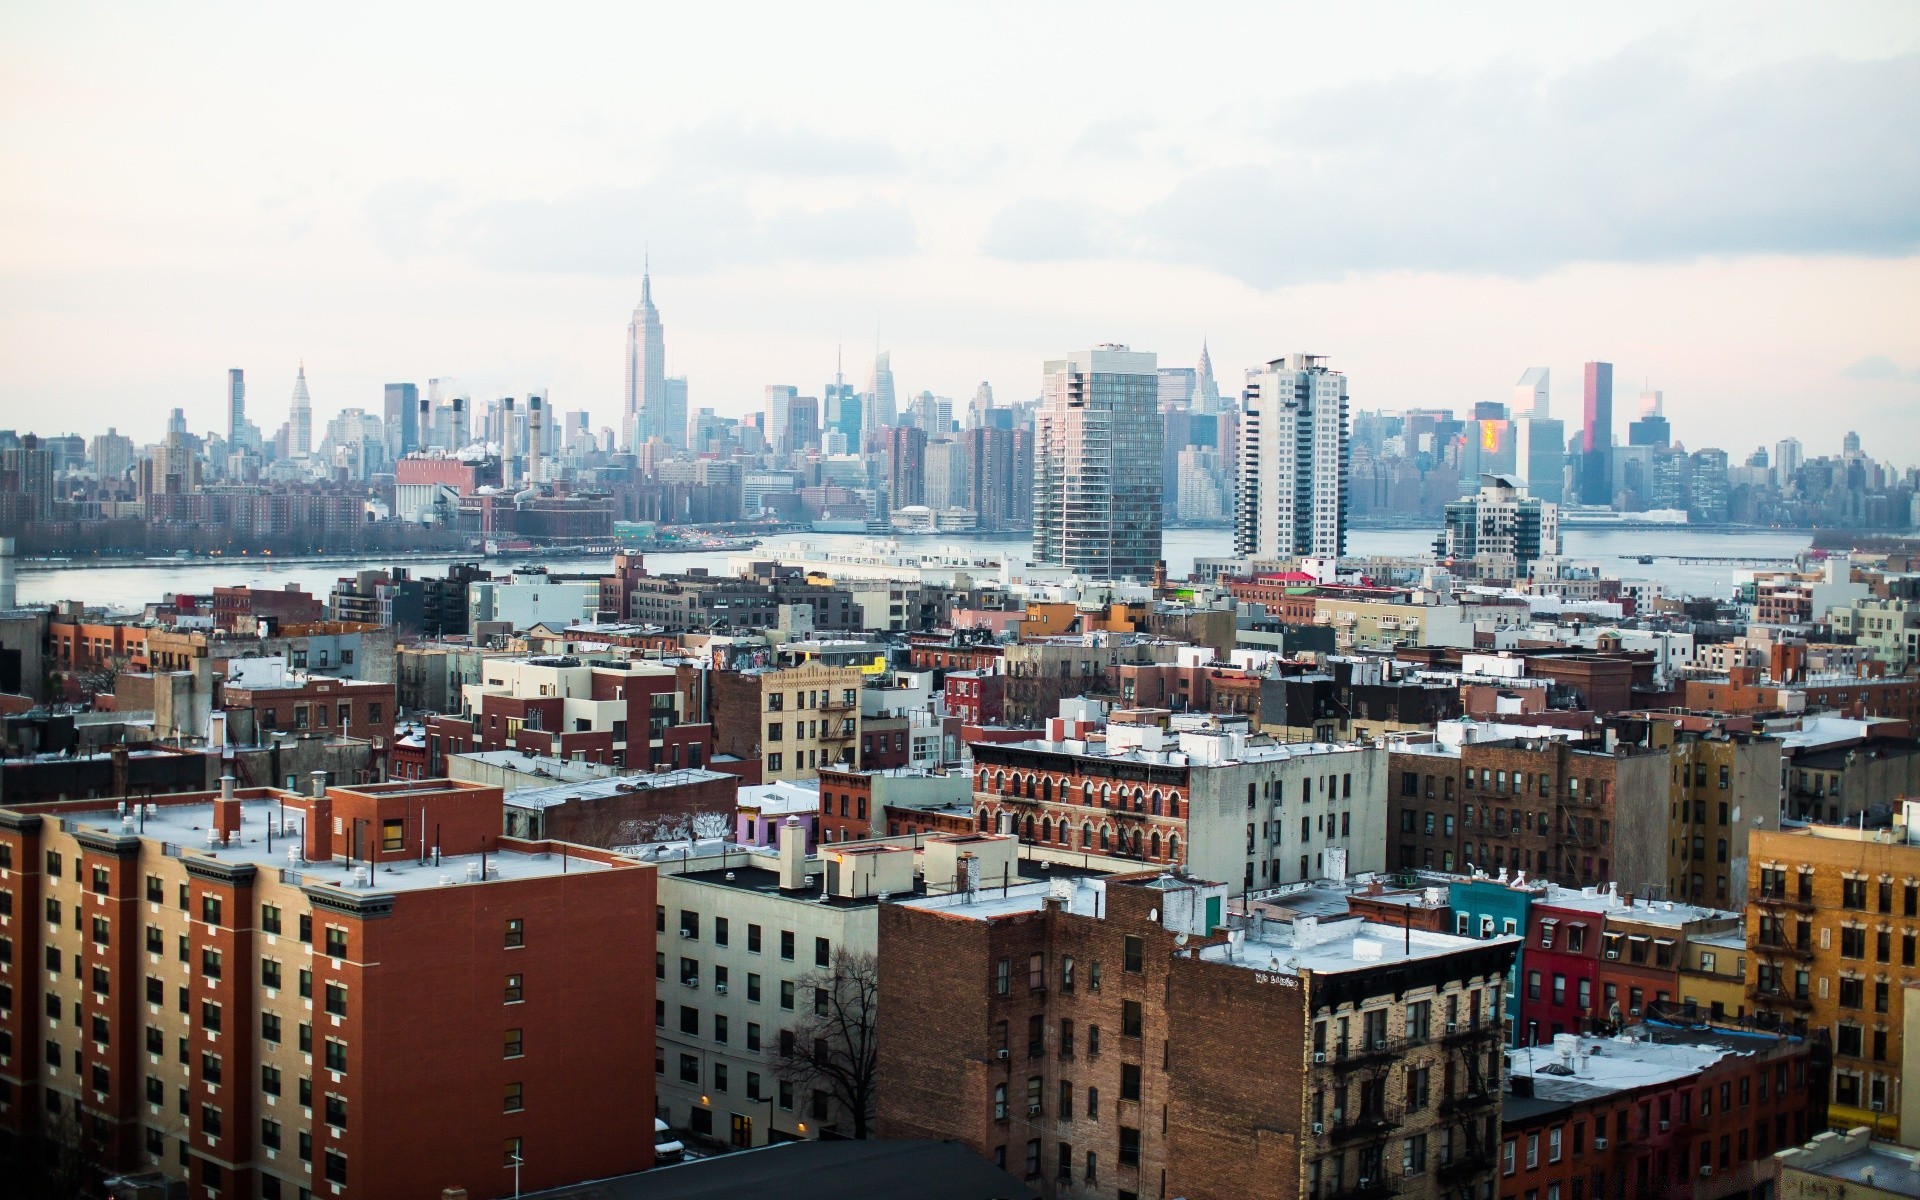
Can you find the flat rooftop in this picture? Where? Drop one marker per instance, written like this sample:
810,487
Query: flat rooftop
1084,896
1329,947
1646,1054
603,787
183,829
1892,1168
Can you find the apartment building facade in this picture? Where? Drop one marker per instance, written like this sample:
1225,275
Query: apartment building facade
228,988
1208,797
795,720
1111,1038
1833,931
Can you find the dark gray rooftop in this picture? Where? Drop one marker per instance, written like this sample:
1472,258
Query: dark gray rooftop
870,1170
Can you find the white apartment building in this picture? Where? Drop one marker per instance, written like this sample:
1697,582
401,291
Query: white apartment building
744,938
1294,460
523,601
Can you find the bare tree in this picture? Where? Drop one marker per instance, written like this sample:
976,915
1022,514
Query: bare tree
832,1049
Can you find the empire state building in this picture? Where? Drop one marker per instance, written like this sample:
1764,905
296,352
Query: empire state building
649,410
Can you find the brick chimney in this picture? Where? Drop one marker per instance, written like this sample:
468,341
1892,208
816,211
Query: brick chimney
318,845
226,811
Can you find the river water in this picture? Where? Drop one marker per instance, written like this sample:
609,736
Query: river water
129,586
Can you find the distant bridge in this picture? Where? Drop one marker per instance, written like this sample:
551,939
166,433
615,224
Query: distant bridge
1701,560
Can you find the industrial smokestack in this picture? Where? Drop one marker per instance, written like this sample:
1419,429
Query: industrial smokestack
536,438
508,476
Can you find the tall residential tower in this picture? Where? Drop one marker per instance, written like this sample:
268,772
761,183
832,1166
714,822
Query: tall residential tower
1295,456
236,405
1596,436
1097,474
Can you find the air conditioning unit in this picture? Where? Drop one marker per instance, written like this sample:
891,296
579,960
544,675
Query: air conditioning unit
1879,1106
1665,1126
686,933
1319,1056
1613,954
720,989
1599,1143
1380,1043
1318,1127
1706,1168
1453,1026
1033,1110
1000,1053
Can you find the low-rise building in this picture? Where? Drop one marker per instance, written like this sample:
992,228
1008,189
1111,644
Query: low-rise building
795,720
1116,1038
1668,1111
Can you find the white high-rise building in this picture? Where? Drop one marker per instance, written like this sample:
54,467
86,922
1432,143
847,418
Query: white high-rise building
300,420
1294,461
879,404
1530,394
647,405
1097,475
1787,460
1652,403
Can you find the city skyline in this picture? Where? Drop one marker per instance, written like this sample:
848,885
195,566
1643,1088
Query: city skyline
406,256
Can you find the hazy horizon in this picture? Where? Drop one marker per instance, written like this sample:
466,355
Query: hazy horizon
1721,200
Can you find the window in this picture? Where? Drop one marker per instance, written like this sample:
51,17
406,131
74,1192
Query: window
513,1101
753,939
514,1049
822,952
786,993
210,909
1130,1081
786,944
336,1000
719,931
1129,1146
516,932
336,942
1133,960
1130,1018
336,1056
690,925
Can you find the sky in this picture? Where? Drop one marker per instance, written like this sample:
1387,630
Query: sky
1723,200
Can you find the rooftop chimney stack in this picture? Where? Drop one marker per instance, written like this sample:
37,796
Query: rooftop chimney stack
793,855
318,845
226,811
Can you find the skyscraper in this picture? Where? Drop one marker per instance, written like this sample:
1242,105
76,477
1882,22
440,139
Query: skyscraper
1097,479
403,419
1206,392
1530,394
646,401
880,409
1651,429
236,406
1295,455
300,419
675,411
1596,435
1540,456
779,410
906,465
1787,460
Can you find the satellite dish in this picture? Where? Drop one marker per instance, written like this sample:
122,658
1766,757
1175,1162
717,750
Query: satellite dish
1179,939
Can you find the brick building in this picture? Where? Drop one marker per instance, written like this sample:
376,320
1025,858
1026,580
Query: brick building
216,1010
794,719
976,697
1208,796
1661,1113
1642,949
1111,1038
1747,690
1833,926
1578,816
362,708
627,810
563,706
240,609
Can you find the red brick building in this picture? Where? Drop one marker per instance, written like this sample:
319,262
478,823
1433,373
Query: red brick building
1668,1114
976,697
239,609
254,1024
349,707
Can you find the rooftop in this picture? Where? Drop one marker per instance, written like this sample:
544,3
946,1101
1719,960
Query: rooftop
1328,947
183,829
782,796
592,788
1856,1158
817,1170
1581,1068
